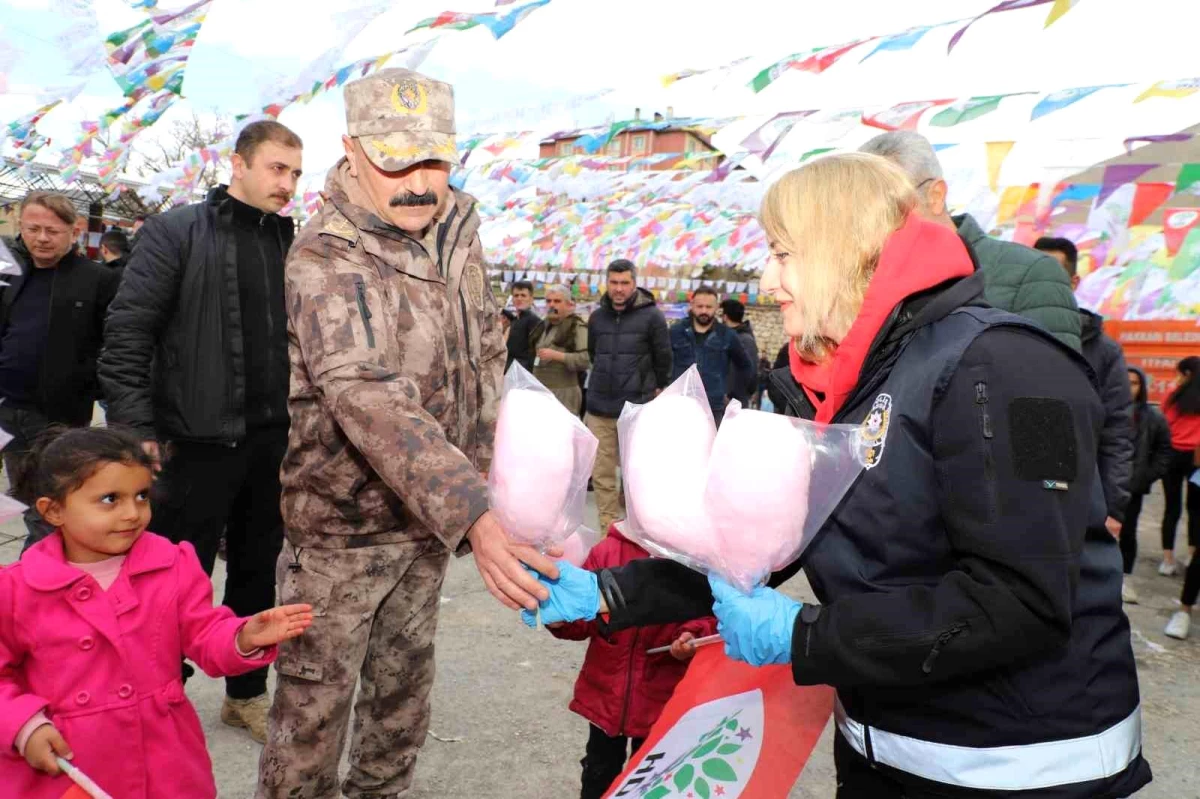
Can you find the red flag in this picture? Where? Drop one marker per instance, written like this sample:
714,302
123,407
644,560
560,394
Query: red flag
1146,200
824,59
75,792
902,117
1177,223
730,730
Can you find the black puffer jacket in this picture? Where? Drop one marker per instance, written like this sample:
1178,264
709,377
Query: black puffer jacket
631,354
79,298
1115,457
1152,439
173,364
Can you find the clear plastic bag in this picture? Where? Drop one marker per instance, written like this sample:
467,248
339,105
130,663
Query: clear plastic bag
772,483
742,502
665,447
537,486
579,544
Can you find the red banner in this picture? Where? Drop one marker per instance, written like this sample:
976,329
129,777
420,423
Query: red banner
1156,347
1177,223
730,730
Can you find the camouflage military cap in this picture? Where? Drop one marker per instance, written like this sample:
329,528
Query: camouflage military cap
401,118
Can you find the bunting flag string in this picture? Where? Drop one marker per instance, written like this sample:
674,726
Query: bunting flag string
969,109
1007,5
1117,175
1057,101
1188,179
1159,139
904,116
497,23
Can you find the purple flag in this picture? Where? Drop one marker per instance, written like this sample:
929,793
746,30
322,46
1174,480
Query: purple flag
1117,175
1007,5
765,138
1166,137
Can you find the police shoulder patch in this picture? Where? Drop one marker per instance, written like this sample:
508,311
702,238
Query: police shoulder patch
338,225
473,284
874,430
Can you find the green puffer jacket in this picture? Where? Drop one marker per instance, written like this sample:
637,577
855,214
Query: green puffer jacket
1023,281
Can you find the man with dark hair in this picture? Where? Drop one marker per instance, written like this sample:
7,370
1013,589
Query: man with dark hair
196,358
114,249
525,326
735,319
51,330
1115,454
714,349
630,349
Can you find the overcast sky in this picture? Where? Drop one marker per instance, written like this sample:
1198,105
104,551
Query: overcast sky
571,48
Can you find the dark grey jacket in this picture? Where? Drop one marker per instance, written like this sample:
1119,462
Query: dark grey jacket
1115,456
630,352
747,388
1152,442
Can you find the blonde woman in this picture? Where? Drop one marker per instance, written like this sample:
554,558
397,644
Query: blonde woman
970,610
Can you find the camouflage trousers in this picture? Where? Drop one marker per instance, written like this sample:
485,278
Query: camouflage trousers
376,611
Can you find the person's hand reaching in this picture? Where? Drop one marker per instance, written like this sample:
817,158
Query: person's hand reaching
43,748
274,626
499,560
574,596
757,628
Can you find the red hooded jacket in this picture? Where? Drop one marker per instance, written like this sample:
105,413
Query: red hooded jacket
621,689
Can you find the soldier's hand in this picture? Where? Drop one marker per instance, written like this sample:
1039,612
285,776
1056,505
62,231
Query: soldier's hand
44,746
499,560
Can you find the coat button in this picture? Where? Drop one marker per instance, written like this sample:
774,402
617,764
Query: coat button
86,643
83,594
82,698
125,691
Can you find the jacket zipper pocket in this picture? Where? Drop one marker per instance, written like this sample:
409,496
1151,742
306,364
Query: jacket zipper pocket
941,642
985,427
629,682
870,642
361,291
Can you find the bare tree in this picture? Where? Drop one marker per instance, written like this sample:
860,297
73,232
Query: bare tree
158,151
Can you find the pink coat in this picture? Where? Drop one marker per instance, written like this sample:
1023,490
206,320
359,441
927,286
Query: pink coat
105,667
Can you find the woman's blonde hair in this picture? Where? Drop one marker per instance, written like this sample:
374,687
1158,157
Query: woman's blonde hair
834,216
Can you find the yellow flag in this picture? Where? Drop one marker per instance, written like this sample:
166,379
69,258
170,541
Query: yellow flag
1171,88
1010,201
1060,7
997,151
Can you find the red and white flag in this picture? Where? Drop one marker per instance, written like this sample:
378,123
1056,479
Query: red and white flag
730,730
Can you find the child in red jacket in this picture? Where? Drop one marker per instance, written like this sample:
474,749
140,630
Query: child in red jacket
621,690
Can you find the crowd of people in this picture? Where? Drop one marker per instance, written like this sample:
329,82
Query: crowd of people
325,400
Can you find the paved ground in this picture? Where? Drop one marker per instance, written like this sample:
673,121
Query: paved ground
503,729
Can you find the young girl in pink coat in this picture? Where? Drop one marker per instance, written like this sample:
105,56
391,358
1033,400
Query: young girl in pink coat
94,623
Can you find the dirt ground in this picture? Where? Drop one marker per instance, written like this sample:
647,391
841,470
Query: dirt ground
501,728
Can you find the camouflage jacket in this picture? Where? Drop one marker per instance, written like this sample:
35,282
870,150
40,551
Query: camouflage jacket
396,369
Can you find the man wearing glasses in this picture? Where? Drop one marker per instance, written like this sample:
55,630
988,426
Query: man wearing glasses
51,330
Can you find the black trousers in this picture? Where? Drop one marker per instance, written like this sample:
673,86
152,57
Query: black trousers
604,761
1182,466
1129,528
24,425
207,489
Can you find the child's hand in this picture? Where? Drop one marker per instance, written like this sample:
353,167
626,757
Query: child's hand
682,647
43,746
273,626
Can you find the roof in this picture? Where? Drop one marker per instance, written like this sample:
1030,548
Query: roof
83,191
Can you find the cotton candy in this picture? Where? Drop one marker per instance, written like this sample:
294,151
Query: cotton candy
665,470
533,466
757,494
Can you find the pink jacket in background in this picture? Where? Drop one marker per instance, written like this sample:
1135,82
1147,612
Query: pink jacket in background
105,667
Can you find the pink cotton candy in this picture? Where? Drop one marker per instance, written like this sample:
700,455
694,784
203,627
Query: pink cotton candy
532,469
758,493
665,470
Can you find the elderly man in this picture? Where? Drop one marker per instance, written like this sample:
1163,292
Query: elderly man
561,346
1017,279
396,368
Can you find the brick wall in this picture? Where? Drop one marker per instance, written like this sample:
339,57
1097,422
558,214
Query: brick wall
768,329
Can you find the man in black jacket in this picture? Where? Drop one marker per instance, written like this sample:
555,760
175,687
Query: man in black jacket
524,324
51,330
1104,355
630,350
735,318
196,358
114,249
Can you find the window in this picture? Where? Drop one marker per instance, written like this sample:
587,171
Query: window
614,146
692,145
639,145
564,147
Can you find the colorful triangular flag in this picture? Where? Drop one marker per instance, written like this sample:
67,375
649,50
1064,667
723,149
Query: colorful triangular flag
1117,175
1171,88
1146,200
997,151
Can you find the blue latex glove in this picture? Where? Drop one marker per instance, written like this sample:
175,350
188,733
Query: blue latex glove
574,596
756,628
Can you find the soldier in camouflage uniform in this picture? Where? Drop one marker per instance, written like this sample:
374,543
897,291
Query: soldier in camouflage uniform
396,370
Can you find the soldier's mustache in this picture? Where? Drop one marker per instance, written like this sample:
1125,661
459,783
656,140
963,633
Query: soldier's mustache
411,200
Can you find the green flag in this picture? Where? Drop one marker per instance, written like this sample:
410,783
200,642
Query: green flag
771,74
1189,175
816,152
973,108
